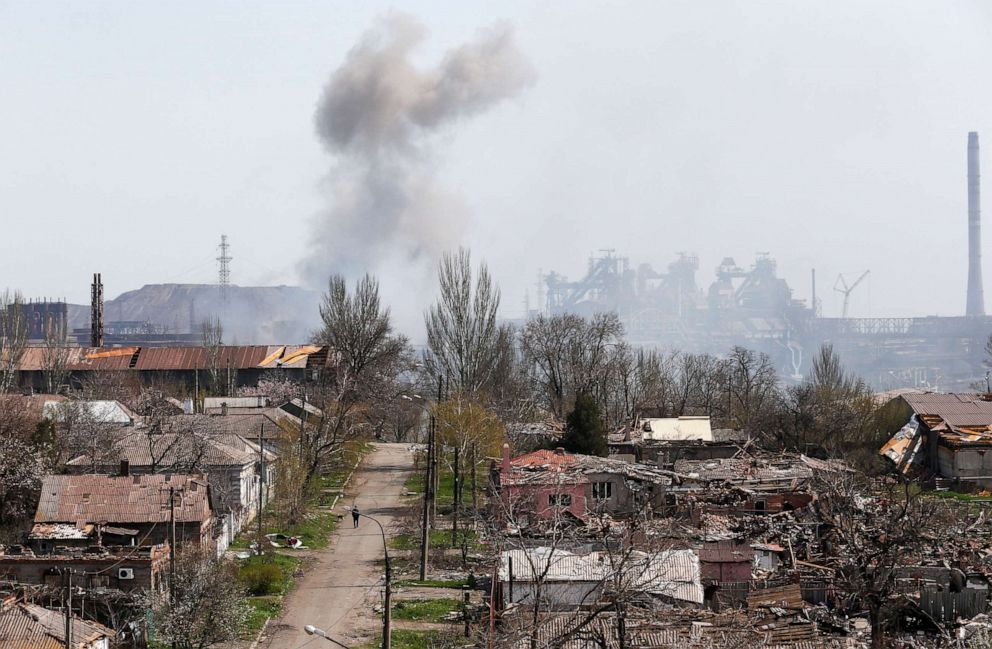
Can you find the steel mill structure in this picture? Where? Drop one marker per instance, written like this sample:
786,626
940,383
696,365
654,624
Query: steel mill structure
753,307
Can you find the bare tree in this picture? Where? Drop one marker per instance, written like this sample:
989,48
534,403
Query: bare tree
212,333
568,355
366,360
82,429
357,327
116,385
13,338
464,341
870,536
55,357
752,389
205,604
21,473
832,411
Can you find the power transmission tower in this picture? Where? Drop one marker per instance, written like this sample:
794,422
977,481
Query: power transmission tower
224,276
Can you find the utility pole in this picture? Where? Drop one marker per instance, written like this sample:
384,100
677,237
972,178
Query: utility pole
68,608
428,485
387,614
455,501
475,499
434,472
261,479
172,552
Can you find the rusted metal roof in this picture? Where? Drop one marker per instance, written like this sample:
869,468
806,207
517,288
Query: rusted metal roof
84,499
180,358
789,597
113,359
726,554
199,358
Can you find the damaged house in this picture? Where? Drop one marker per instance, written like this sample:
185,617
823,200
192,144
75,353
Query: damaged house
947,436
544,484
239,472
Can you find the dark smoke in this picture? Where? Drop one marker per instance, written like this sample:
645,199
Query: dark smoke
378,116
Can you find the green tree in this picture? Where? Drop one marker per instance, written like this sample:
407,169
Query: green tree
585,431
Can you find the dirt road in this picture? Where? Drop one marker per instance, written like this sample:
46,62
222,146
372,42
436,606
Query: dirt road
344,580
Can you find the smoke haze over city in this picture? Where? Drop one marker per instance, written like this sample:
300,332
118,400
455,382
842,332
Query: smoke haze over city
828,135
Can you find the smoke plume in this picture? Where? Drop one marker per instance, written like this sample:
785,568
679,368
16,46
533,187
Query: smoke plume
379,116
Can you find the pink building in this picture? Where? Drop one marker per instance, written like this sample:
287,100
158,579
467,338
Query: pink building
540,486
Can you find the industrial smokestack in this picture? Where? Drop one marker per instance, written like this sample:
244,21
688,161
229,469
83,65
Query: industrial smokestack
96,311
976,295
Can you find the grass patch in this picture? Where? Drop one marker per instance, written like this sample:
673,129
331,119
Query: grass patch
407,639
446,483
432,583
261,609
438,539
425,610
967,498
285,566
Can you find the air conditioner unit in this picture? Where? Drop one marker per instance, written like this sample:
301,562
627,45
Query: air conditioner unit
125,573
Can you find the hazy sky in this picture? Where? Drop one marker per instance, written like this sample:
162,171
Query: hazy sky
828,134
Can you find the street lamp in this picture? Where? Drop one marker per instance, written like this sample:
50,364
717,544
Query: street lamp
387,612
312,630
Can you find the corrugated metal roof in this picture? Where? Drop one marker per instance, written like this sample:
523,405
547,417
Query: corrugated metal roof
21,630
671,573
726,554
29,626
121,499
788,596
199,358
180,358
53,622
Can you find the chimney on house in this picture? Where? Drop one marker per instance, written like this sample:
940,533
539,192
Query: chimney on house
506,458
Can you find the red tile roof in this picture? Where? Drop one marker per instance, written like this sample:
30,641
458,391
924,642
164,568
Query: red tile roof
545,459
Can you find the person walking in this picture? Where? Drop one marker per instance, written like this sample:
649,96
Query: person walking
355,514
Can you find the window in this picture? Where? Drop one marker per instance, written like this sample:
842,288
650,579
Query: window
560,500
602,490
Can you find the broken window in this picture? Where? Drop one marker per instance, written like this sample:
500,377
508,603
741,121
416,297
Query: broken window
560,500
602,490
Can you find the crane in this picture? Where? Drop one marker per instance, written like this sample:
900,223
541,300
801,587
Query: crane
841,286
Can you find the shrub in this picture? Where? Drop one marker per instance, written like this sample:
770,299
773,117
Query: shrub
261,578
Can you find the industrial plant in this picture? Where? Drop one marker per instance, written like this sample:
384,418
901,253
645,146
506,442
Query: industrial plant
751,306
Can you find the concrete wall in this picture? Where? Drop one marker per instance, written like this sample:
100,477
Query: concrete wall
965,462
533,502
148,571
562,594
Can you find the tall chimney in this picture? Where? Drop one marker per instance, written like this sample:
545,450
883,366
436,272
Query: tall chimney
976,295
96,311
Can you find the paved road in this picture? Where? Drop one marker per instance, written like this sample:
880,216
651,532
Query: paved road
344,579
